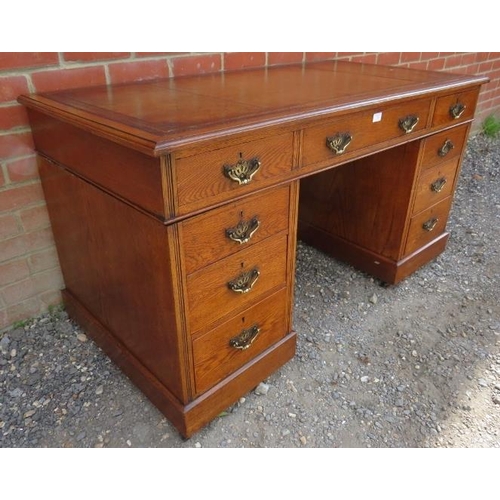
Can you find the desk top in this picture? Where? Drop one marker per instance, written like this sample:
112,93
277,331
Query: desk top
162,115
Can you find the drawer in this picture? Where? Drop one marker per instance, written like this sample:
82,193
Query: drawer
205,179
364,129
435,184
427,225
443,146
224,231
209,294
455,108
228,347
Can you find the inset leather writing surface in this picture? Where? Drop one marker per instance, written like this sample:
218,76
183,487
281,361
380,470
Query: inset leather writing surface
170,112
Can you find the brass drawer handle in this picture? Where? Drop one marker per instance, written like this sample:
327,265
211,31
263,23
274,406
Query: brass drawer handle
456,110
243,231
244,282
446,148
408,123
438,185
245,338
242,171
430,224
338,143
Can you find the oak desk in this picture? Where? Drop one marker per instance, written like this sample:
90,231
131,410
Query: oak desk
175,208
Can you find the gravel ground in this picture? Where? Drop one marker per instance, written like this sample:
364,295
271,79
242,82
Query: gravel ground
413,365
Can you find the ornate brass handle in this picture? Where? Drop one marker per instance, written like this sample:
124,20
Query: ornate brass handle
438,185
408,123
338,143
244,230
244,282
242,171
430,224
446,148
245,338
456,110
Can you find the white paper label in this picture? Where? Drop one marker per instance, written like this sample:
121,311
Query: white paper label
377,117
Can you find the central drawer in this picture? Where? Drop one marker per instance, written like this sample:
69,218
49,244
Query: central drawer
236,282
362,130
216,176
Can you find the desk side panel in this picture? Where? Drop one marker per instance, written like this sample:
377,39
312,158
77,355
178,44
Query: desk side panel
128,174
116,263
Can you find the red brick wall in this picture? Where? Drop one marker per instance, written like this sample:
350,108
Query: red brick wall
30,278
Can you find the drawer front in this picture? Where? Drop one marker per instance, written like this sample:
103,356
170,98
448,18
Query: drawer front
209,178
435,184
427,225
455,108
443,146
364,129
226,348
239,225
255,271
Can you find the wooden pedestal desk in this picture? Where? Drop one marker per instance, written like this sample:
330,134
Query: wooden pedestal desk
175,208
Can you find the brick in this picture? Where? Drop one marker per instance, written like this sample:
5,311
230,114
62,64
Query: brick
25,310
60,79
16,60
366,58
482,56
471,69
44,260
349,54
3,319
429,55
18,292
418,65
2,177
407,57
40,239
435,64
284,57
35,218
16,144
389,58
11,87
468,59
453,61
241,60
320,56
486,66
152,54
9,226
48,280
138,70
13,271
194,65
17,197
23,169
12,247
93,56
13,116
50,298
